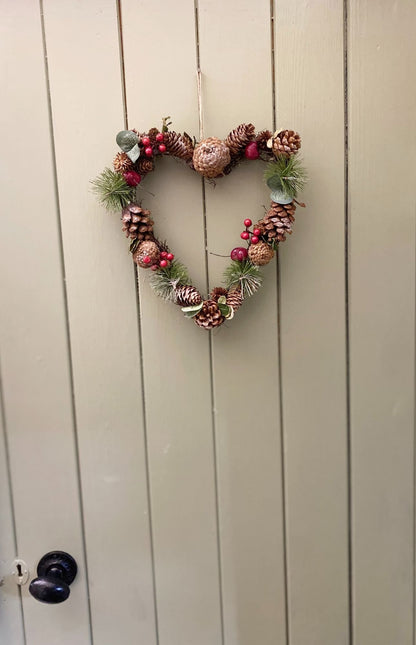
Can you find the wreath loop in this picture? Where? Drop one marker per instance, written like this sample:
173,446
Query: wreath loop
212,158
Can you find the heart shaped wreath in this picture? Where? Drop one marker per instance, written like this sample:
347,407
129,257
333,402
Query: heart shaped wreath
212,158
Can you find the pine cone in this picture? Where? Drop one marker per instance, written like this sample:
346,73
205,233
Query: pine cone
262,138
148,250
122,163
186,295
144,165
210,157
260,254
179,145
210,315
278,222
137,222
285,142
235,298
239,138
217,292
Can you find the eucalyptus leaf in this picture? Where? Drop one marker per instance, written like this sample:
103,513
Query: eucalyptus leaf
134,153
222,300
224,309
191,311
126,140
274,183
280,197
231,314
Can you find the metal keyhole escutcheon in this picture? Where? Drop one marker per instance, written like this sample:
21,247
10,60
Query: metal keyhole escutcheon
56,571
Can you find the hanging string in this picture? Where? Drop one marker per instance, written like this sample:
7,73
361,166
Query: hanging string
200,111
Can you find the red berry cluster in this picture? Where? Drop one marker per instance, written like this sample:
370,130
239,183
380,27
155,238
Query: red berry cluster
240,253
148,149
245,235
165,258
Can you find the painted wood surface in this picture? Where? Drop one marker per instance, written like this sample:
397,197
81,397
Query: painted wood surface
255,485
382,324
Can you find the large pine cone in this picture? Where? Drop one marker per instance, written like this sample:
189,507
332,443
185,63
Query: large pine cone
146,249
179,145
286,143
260,254
186,295
210,315
137,223
235,298
210,157
277,223
239,138
122,163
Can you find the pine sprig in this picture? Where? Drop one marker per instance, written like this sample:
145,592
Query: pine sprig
165,280
286,174
112,190
245,275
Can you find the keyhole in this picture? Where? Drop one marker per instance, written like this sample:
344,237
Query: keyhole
19,570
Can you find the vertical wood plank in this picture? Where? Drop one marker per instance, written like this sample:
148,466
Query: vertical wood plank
160,66
84,65
310,98
235,54
35,359
382,155
11,616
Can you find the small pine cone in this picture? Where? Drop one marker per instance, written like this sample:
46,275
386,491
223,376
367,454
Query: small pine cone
186,295
210,315
277,223
152,135
217,292
144,165
137,223
122,163
179,145
262,138
239,138
147,249
286,143
210,157
260,254
235,298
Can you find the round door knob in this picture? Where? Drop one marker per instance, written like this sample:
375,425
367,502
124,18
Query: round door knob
56,570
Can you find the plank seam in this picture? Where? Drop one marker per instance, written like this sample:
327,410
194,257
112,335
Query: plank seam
66,308
279,359
11,495
141,356
347,328
211,350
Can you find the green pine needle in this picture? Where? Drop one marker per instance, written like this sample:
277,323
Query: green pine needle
243,274
165,280
286,174
112,190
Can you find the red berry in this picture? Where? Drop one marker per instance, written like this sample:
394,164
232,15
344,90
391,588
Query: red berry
163,263
256,231
148,152
254,239
164,255
251,151
145,141
147,260
170,257
154,267
239,253
162,147
159,137
132,178
247,222
245,235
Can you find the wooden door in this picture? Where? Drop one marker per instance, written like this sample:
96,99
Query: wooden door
254,485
